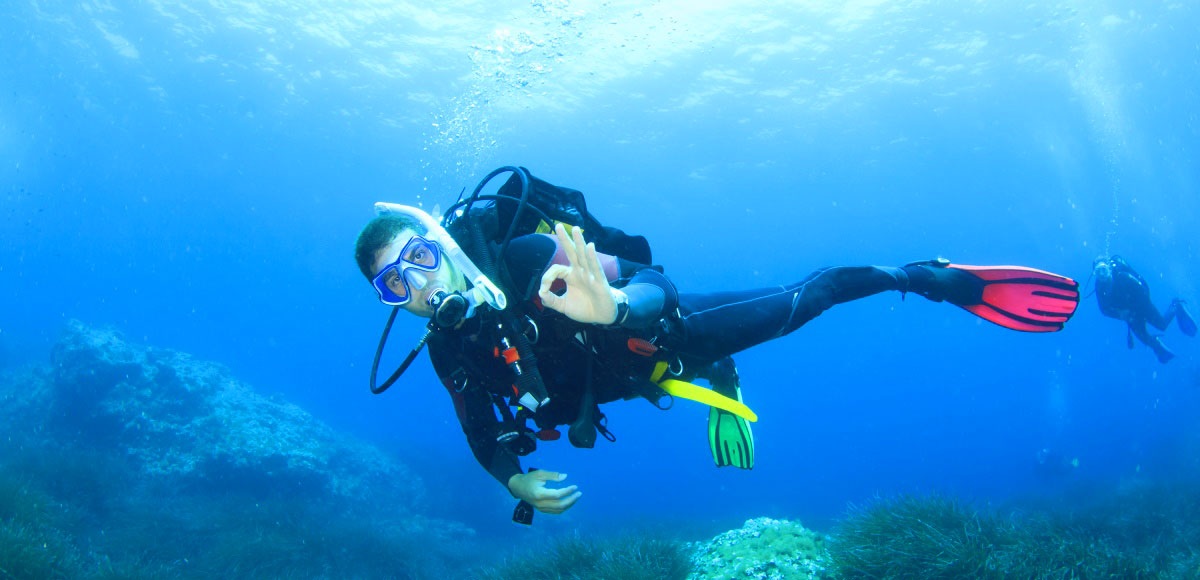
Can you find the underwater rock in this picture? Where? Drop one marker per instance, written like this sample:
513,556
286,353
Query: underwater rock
190,421
125,461
764,548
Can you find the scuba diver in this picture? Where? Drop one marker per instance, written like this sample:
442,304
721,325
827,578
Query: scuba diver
1123,294
538,313
1053,466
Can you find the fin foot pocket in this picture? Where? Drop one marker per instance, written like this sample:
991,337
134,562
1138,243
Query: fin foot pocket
1184,319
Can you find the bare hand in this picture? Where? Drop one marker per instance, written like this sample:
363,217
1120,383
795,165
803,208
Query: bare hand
531,487
588,298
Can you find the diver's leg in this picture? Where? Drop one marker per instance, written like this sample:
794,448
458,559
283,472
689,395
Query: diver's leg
696,302
714,326
1155,343
1178,312
1155,318
1142,307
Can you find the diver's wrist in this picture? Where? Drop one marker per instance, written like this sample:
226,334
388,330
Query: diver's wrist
621,301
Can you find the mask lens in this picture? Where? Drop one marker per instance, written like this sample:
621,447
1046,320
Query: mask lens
421,252
391,286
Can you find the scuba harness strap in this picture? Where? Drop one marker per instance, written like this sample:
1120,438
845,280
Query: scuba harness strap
531,390
675,386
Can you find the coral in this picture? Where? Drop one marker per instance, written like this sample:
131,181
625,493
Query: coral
763,548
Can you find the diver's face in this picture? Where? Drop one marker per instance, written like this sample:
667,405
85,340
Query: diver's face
412,276
1102,269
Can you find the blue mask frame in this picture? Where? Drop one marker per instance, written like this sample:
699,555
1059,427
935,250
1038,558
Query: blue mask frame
418,254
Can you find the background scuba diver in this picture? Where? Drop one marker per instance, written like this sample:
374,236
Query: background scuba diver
1123,294
1051,465
601,321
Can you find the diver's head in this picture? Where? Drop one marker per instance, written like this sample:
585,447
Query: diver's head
403,265
1043,455
1102,267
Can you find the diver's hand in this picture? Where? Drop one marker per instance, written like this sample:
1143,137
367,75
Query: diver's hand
531,487
589,298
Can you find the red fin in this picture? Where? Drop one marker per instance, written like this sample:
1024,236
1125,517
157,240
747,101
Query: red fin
1025,299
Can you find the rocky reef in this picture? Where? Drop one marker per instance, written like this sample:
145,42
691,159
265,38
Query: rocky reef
189,420
114,445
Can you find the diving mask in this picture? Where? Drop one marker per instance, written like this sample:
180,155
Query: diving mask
396,282
482,289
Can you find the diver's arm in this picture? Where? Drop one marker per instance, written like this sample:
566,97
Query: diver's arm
648,296
480,425
473,407
1105,297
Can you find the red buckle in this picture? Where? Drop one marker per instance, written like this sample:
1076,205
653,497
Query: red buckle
642,347
510,355
548,434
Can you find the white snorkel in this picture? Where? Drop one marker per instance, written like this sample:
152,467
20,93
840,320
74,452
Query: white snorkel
482,289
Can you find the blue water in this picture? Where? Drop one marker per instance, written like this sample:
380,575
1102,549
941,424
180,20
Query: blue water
195,174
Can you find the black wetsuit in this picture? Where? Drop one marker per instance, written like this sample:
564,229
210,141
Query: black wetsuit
698,329
1125,296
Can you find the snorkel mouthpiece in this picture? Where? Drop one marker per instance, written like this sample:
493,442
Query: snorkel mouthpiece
481,285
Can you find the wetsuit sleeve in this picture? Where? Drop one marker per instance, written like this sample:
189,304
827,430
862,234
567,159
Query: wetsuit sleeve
480,425
651,296
477,417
